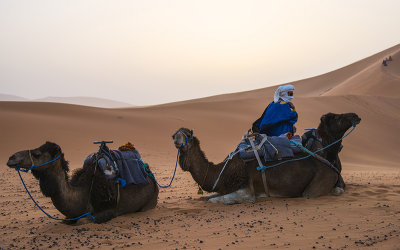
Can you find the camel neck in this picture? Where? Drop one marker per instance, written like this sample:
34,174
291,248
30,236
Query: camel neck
331,153
203,172
70,201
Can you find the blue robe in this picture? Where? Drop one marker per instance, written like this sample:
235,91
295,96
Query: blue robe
278,119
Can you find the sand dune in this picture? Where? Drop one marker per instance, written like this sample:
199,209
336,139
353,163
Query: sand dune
80,100
86,101
366,214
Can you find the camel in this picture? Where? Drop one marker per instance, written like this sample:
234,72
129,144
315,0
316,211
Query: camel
88,190
242,182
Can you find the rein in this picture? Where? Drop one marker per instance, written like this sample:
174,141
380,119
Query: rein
263,168
176,163
19,170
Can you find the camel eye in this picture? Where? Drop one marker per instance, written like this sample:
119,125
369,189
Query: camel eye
35,154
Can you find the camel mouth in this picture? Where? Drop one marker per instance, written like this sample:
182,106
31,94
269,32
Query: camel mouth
357,121
12,164
178,145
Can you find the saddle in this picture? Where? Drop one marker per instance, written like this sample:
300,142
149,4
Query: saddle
124,165
271,148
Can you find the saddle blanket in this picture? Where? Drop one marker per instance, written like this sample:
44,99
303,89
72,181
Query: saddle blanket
131,167
273,149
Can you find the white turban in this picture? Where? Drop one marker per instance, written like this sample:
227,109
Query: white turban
282,93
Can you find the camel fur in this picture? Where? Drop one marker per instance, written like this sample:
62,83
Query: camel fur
241,181
88,190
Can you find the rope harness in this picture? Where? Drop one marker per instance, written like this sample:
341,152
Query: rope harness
176,163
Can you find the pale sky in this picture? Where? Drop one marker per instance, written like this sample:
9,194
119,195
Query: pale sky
150,52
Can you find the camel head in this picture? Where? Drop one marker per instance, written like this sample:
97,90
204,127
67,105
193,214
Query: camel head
181,137
28,158
335,125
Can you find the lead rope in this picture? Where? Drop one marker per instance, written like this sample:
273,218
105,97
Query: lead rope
263,168
88,214
176,163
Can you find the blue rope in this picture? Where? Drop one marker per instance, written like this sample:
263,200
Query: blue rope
176,164
263,168
48,215
230,156
173,176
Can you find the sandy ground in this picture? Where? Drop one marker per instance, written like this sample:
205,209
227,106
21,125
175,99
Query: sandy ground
366,215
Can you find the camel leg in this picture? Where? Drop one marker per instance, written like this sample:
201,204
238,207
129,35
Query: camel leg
151,204
321,184
208,197
339,187
239,196
104,216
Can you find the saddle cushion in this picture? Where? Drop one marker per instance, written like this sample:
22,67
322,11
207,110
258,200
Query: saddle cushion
282,148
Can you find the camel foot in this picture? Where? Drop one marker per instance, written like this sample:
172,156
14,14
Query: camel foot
239,196
337,191
261,196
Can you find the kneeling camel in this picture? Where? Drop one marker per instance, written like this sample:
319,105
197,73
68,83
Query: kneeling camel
241,181
88,190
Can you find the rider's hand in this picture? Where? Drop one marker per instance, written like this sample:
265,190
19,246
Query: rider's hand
291,105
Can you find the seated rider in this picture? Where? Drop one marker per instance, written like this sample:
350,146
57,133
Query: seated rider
280,115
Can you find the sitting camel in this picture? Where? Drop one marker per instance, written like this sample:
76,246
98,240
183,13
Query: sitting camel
88,190
241,181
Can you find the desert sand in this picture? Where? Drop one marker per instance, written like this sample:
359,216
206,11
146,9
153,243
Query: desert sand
366,215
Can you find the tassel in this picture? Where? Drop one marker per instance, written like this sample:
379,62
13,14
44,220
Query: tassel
200,191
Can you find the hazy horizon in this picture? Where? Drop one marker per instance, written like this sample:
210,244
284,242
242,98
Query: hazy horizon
155,52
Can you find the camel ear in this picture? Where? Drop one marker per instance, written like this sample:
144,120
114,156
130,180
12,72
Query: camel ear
191,132
327,117
323,118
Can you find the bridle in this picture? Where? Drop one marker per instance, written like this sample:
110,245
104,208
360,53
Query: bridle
33,163
188,137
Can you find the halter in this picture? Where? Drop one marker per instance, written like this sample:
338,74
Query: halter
35,166
187,138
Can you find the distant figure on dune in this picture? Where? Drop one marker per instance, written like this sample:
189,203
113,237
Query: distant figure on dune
390,58
384,62
280,115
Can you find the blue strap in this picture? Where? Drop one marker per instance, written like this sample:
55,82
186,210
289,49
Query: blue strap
122,181
35,166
